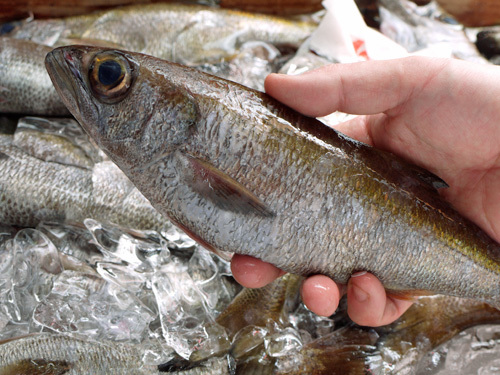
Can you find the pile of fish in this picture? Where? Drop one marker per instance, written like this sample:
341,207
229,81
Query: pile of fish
96,278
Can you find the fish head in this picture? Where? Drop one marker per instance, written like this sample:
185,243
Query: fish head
132,112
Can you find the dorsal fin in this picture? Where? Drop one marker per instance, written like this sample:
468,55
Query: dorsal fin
222,189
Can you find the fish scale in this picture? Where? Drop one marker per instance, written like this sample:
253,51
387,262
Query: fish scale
62,354
331,205
188,33
33,190
25,86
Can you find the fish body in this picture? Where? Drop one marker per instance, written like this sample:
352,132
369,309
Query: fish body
190,34
45,177
25,86
242,173
47,354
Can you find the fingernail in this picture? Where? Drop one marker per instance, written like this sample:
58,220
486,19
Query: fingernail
359,294
360,273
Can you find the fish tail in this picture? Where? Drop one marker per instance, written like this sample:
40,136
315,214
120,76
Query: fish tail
335,361
348,351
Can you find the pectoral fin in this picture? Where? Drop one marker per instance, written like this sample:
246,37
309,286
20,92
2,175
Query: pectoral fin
36,367
222,189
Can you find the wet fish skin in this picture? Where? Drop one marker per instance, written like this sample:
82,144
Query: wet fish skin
51,147
47,354
240,172
25,86
34,190
191,34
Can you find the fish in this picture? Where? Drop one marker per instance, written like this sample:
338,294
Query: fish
55,140
346,351
271,303
428,323
60,8
50,354
212,366
242,173
397,348
46,177
25,86
190,34
247,320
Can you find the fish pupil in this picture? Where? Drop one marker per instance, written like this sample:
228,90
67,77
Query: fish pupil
110,73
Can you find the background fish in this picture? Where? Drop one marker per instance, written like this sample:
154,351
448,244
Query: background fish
60,8
345,351
190,34
47,177
25,86
248,319
46,354
428,323
397,348
242,173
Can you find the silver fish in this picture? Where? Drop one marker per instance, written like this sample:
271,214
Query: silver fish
25,86
240,172
191,34
45,184
47,354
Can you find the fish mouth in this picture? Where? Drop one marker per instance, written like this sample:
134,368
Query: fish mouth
65,67
60,74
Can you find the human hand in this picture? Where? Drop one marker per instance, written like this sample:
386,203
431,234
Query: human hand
442,115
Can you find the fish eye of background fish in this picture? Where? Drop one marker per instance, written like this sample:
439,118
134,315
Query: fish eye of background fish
110,75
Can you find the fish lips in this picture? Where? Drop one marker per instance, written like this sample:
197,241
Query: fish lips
66,69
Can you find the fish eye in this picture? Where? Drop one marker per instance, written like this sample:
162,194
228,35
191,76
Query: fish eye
111,75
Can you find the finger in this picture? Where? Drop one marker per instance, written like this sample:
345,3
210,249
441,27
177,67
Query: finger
320,294
253,273
368,87
369,305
